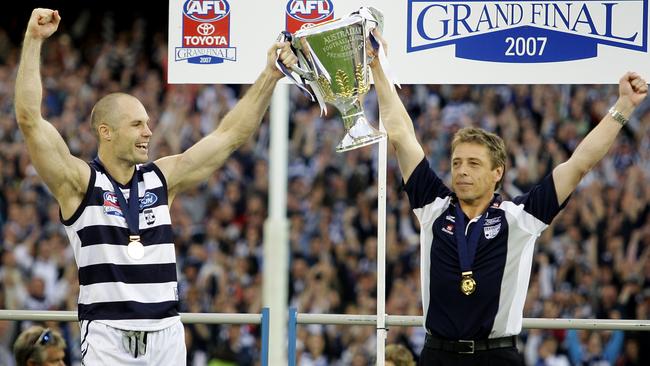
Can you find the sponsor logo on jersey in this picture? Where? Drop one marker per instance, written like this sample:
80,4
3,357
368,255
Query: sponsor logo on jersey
526,31
306,13
111,205
149,199
448,228
206,33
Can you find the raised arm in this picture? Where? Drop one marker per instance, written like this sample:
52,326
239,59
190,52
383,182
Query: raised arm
397,121
632,89
201,160
65,175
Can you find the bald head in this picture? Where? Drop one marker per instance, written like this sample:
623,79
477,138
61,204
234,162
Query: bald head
108,111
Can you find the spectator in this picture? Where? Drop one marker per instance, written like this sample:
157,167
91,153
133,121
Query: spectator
586,347
574,258
38,346
398,355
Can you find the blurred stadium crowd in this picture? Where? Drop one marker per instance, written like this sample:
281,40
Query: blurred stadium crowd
593,262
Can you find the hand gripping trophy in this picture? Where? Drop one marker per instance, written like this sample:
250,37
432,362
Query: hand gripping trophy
333,61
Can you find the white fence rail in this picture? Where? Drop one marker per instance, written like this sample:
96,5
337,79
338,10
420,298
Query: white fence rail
530,323
188,318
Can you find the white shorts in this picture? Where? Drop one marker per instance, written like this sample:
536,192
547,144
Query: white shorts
105,345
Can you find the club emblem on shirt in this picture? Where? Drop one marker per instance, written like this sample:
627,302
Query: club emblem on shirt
449,229
149,216
491,231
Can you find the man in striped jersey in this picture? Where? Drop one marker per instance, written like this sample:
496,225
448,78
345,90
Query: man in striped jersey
116,208
476,248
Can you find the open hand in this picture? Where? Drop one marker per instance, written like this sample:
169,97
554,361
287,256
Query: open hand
43,23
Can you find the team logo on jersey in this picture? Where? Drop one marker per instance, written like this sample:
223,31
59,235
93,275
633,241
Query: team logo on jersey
149,216
492,221
306,13
526,32
206,33
491,231
149,199
450,218
111,205
449,229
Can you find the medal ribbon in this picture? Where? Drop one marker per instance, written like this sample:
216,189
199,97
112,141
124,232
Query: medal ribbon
466,248
130,210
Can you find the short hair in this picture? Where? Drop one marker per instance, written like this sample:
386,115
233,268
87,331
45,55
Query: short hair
27,346
495,145
399,355
105,111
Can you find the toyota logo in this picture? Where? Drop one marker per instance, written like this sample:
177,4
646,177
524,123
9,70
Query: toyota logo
205,29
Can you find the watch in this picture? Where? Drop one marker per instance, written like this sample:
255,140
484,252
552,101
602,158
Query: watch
618,116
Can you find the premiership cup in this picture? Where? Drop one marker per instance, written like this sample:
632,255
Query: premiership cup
332,59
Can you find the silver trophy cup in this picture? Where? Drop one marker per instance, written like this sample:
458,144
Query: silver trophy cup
332,59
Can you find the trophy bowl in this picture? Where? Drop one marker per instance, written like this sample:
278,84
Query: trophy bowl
332,59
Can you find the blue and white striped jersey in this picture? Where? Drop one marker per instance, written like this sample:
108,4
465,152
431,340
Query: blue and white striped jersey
115,289
502,264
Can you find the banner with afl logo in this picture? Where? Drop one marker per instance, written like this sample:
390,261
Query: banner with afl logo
429,41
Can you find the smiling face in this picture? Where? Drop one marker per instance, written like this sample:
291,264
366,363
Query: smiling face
473,176
121,122
132,133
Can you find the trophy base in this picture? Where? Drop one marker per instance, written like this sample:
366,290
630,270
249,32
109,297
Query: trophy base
360,135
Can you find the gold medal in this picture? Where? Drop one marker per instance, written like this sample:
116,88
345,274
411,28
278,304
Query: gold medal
467,283
135,249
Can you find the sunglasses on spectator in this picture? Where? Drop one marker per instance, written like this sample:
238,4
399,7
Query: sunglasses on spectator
43,339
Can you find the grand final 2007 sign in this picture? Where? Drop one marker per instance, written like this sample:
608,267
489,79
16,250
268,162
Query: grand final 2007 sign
430,41
526,31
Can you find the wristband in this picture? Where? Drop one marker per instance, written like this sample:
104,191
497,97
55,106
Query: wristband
618,116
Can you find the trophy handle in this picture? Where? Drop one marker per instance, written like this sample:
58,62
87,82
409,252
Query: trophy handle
305,74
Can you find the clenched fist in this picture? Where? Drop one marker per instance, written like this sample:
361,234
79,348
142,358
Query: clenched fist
633,88
43,23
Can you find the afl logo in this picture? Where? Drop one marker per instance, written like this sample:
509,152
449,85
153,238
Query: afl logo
110,199
111,206
311,11
206,10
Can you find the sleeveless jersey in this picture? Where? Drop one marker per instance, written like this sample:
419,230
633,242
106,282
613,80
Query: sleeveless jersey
115,289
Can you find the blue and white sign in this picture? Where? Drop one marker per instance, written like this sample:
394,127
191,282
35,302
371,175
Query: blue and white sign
456,41
527,31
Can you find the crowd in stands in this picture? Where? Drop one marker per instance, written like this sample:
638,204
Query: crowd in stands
593,262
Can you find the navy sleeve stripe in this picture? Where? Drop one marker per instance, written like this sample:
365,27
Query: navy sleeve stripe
424,186
84,202
541,200
153,167
141,273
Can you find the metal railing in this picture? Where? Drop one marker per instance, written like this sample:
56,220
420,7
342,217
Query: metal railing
186,318
296,318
